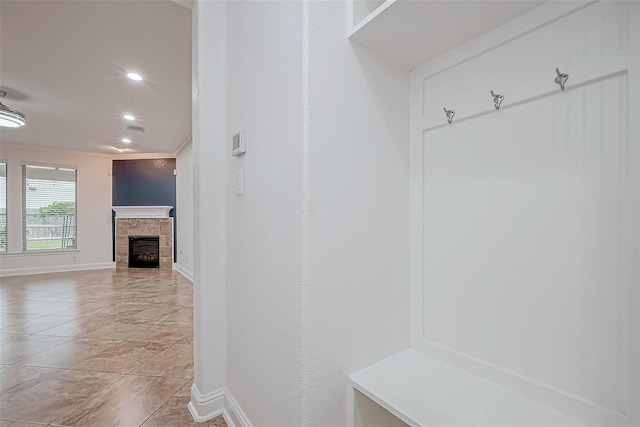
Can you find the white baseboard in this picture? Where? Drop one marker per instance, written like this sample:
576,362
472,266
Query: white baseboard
234,415
208,406
55,269
219,402
182,270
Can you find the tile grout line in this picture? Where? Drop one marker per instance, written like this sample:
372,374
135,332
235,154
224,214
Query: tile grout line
34,354
164,403
90,397
172,315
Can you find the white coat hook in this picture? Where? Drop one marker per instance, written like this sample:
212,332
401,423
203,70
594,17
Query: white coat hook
497,99
450,114
561,78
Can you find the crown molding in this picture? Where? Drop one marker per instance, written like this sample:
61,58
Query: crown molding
184,3
135,156
186,141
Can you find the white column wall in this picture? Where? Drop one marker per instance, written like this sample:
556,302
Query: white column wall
264,226
209,317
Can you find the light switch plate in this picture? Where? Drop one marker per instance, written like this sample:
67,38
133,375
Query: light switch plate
239,183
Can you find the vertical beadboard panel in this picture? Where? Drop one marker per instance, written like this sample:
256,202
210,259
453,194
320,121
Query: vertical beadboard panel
527,273
523,241
570,42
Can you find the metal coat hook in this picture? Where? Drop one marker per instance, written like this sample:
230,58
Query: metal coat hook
561,78
450,114
497,99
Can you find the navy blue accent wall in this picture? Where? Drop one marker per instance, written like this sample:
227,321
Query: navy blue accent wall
145,182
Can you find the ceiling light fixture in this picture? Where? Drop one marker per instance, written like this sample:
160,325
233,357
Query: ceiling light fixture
126,140
128,117
9,117
134,76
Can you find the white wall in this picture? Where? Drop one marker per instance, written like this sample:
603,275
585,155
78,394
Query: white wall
264,226
317,247
94,212
184,202
357,297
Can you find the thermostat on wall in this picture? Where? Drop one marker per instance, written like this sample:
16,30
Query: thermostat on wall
239,143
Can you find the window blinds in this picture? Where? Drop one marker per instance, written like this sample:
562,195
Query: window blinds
3,207
48,207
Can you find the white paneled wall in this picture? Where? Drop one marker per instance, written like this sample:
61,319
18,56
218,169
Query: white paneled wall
523,222
527,238
582,42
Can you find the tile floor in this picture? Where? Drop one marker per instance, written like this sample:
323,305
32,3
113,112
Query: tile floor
97,348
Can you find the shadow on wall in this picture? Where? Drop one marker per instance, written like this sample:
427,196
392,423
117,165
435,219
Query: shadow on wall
377,78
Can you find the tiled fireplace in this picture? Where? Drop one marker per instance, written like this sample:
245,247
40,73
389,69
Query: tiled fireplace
152,221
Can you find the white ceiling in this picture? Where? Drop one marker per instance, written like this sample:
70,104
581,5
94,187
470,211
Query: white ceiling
64,65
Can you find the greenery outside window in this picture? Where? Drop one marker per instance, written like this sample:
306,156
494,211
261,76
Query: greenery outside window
3,206
48,207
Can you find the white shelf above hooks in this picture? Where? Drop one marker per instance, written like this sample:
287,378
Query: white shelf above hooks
413,32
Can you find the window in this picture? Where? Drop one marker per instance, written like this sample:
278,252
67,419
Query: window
3,206
48,207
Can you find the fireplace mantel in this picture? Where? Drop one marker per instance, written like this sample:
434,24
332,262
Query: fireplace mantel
142,211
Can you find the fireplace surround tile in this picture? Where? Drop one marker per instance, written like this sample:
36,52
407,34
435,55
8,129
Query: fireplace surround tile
162,227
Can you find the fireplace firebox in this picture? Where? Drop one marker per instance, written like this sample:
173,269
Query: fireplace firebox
144,251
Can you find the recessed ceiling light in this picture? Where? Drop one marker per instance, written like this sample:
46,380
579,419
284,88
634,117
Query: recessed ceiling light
128,117
134,76
126,140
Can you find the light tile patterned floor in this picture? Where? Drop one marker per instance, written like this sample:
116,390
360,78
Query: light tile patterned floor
97,348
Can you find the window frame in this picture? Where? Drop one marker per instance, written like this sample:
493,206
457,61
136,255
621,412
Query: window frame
23,213
5,162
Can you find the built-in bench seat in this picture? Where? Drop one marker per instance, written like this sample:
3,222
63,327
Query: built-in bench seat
423,391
